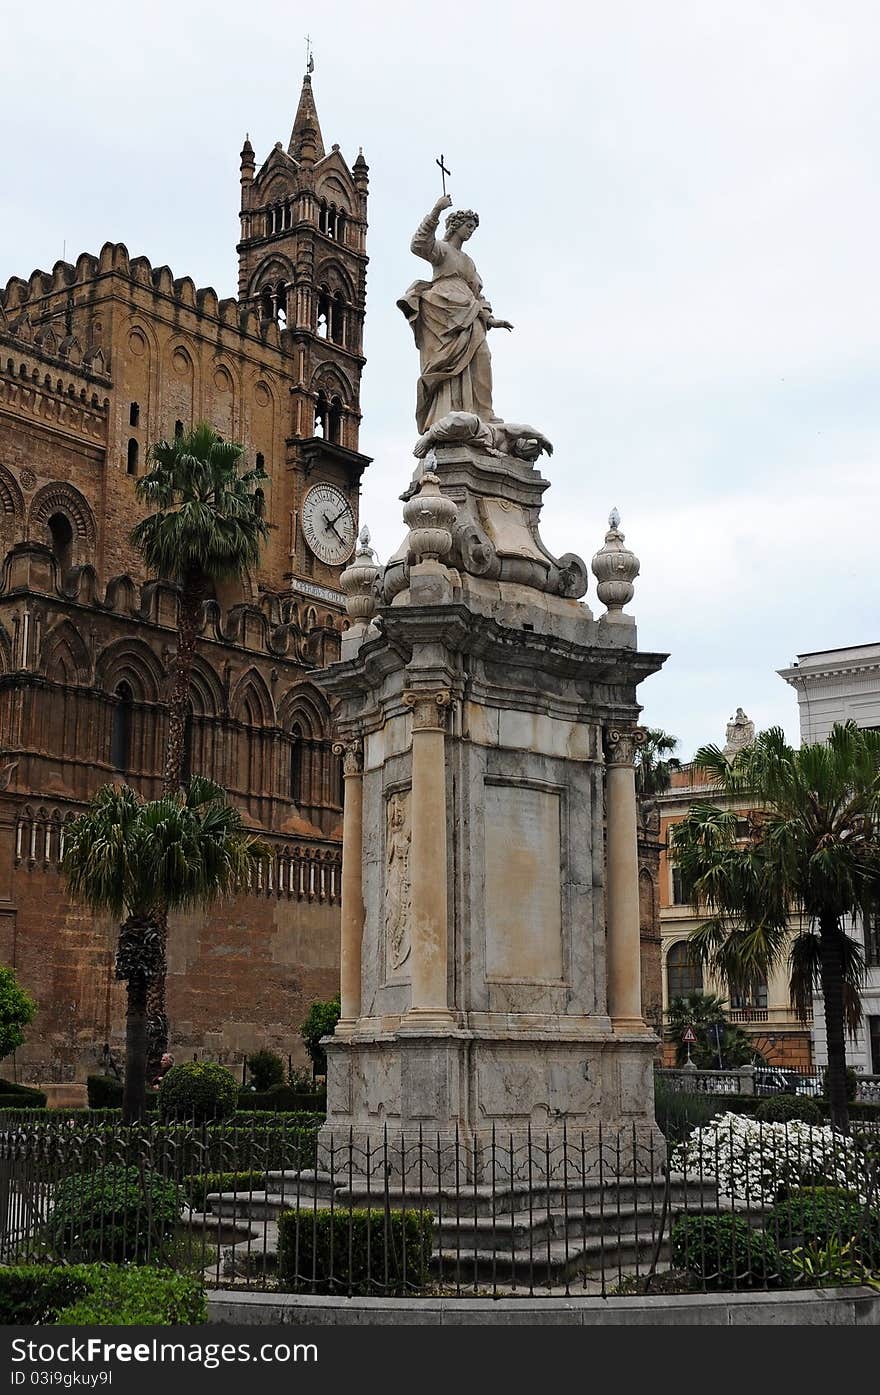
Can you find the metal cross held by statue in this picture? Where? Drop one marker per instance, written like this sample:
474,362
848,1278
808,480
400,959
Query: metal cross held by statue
443,171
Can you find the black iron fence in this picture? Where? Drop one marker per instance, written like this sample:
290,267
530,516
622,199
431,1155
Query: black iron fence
735,1203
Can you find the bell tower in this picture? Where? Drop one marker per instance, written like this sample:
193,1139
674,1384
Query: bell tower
302,263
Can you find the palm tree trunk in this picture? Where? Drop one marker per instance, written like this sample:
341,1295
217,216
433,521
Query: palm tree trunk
134,1090
189,616
831,972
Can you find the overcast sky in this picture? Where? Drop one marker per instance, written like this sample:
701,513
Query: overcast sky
679,212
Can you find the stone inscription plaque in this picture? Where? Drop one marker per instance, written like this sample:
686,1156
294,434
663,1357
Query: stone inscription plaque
523,896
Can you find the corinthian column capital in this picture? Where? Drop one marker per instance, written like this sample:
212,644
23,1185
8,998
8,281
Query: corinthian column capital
429,707
352,753
622,744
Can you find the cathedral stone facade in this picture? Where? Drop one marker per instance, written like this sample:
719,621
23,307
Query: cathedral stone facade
97,361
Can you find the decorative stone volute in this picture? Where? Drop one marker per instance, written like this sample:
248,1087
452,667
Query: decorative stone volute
429,515
615,568
358,581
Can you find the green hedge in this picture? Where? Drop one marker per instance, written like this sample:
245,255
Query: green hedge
358,1252
196,1187
817,1215
14,1096
96,1294
244,1143
725,1253
282,1097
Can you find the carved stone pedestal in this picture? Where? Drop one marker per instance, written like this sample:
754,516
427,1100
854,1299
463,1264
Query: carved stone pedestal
499,957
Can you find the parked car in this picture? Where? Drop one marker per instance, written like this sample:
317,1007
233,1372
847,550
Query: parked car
771,1080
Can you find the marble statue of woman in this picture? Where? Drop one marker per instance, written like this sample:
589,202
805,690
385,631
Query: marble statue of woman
450,318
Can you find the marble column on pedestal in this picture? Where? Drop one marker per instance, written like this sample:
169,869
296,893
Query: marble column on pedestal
623,944
428,871
352,884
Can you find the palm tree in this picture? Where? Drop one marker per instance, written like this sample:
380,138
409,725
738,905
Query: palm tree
652,770
809,863
128,857
206,526
706,1013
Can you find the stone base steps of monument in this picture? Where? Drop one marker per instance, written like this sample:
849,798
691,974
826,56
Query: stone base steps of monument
483,1233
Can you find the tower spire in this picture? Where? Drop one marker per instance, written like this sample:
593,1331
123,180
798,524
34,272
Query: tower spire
306,131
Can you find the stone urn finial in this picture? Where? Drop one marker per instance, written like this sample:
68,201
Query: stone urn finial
429,515
615,569
358,581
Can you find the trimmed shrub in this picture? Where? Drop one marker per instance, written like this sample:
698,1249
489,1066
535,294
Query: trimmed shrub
819,1215
14,1096
196,1187
282,1097
779,1109
198,1091
138,1297
111,1213
31,1294
358,1251
724,1252
266,1069
88,1294
104,1092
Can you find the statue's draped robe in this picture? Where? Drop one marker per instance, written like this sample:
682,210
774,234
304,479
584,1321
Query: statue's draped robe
448,317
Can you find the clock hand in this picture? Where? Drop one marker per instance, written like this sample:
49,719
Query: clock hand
341,513
330,523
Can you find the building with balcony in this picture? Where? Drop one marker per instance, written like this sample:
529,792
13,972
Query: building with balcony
765,1014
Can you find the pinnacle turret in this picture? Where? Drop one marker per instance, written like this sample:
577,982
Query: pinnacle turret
306,138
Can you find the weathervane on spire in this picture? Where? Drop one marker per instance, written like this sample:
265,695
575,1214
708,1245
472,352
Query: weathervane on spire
310,59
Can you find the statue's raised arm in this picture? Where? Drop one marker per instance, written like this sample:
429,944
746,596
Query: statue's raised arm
424,243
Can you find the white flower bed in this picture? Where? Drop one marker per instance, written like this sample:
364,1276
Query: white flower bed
754,1161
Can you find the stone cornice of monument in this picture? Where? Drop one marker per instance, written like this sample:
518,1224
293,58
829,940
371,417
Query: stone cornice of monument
587,679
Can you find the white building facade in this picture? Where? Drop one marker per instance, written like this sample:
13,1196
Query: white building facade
839,685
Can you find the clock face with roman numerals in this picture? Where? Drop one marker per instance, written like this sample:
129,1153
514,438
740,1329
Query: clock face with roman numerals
328,524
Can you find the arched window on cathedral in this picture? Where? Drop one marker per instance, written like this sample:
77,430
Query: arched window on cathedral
340,227
134,414
337,319
178,429
273,303
61,541
261,460
132,458
120,728
325,306
322,416
334,432
322,218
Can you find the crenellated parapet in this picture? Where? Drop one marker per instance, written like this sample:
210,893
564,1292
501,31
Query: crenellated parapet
29,309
